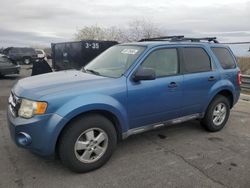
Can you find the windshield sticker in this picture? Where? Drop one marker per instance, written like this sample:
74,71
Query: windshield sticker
129,51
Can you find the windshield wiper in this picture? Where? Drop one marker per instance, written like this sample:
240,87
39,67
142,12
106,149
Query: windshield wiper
91,71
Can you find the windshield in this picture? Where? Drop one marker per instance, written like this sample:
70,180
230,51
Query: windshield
115,61
4,59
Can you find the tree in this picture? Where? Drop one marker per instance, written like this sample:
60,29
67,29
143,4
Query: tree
140,29
99,33
90,33
136,30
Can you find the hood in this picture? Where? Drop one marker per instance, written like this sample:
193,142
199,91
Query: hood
35,87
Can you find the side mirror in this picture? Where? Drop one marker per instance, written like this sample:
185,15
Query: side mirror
144,74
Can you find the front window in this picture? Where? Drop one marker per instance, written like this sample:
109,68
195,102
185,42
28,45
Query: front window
163,61
115,61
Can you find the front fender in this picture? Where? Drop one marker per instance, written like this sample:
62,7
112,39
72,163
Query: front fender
91,102
79,105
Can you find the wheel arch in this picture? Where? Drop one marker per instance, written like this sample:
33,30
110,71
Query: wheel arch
228,94
26,57
223,92
107,114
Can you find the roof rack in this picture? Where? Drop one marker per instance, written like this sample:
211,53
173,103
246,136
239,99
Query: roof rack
180,38
163,38
209,39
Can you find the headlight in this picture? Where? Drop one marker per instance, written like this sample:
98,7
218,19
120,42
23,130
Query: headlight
30,108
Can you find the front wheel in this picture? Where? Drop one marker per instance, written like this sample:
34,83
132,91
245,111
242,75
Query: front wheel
87,143
217,114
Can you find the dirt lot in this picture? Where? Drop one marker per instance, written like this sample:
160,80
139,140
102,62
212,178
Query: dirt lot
183,155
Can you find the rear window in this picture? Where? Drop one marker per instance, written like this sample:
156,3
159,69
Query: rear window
225,58
39,52
195,60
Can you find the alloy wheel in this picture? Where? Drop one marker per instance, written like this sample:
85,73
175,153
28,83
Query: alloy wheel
91,145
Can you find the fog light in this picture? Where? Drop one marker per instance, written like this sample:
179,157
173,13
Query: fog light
23,139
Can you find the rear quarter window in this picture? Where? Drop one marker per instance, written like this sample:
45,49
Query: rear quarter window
224,57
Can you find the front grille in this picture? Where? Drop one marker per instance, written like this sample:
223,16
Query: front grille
14,104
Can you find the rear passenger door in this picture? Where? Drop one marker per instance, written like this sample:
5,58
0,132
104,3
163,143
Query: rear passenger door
199,77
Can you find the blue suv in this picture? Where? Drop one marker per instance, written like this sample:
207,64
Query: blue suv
128,89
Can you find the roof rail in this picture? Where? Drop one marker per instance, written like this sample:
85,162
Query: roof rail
180,38
163,38
209,39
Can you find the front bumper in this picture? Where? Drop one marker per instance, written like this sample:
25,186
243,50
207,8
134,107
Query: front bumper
43,131
10,70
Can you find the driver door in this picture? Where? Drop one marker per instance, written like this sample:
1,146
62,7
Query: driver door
159,100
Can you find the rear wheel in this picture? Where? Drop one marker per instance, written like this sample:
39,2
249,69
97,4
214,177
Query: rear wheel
217,114
26,61
87,143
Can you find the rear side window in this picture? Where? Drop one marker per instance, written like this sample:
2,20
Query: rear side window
27,50
14,50
225,58
163,61
195,60
23,50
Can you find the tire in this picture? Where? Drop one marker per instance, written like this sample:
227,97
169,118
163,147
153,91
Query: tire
82,131
211,120
26,61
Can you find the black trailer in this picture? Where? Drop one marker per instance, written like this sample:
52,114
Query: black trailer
74,55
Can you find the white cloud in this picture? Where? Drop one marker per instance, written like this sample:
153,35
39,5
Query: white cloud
47,21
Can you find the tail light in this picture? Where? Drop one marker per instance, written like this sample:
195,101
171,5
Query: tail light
239,78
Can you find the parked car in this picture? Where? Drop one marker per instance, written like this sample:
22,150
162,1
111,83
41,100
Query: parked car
128,89
7,66
41,54
23,55
75,55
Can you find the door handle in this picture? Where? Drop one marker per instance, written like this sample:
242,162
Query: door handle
211,78
172,85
